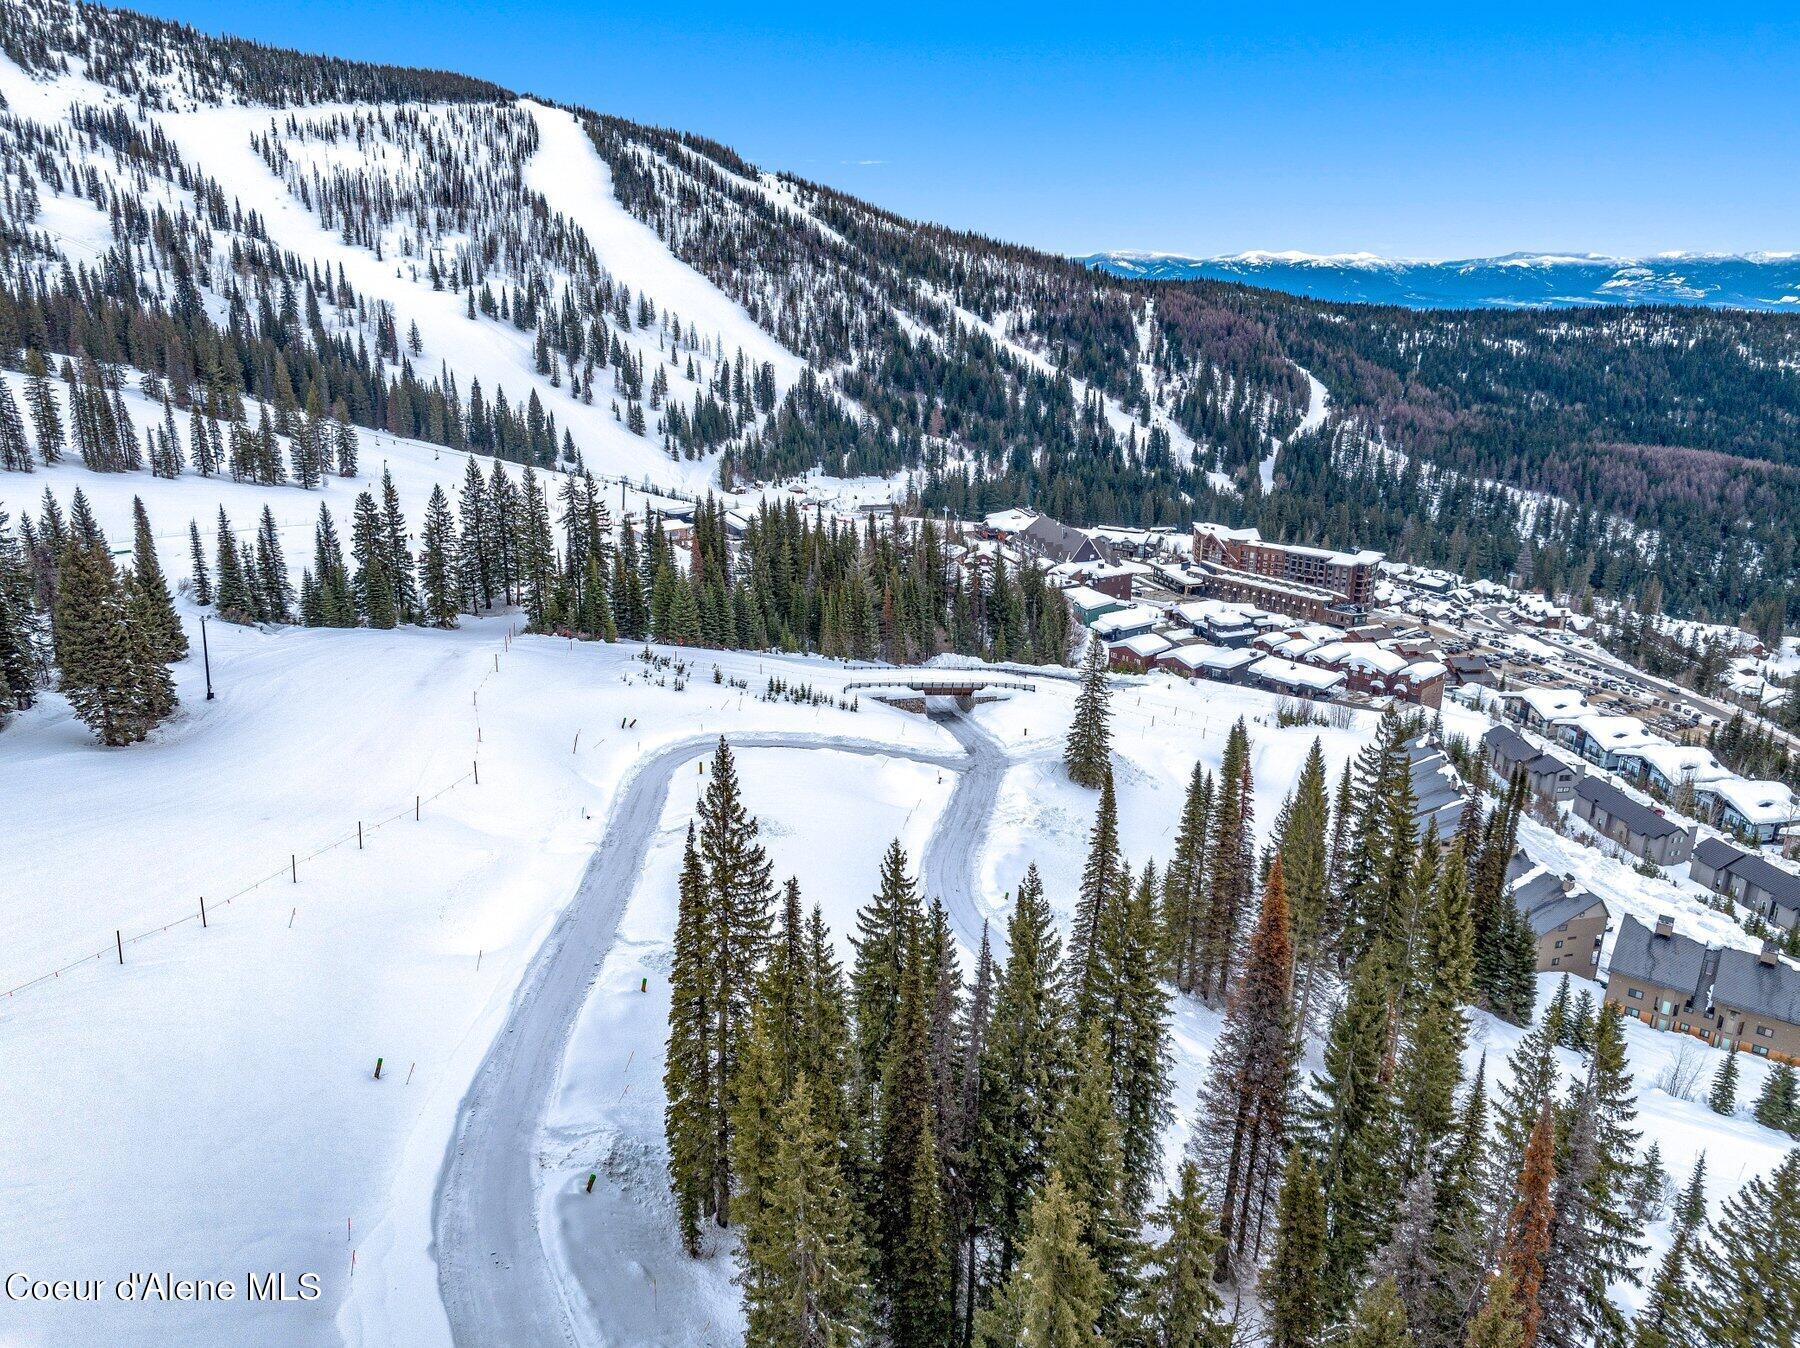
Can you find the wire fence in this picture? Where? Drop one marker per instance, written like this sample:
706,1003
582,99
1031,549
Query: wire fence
203,912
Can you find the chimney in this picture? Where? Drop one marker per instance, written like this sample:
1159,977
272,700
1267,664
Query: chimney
1766,956
1665,926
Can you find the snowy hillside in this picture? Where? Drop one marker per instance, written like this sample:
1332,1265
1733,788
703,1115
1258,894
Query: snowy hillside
360,941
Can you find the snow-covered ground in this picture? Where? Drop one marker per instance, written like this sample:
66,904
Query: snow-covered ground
618,1246
209,1106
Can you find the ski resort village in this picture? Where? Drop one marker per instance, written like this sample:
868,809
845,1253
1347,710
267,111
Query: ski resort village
602,746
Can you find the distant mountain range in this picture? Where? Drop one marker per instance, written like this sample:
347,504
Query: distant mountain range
1766,281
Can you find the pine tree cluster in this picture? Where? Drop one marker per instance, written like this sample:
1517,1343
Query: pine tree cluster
72,618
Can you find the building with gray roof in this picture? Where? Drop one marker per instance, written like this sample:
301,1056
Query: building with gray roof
1731,998
1633,825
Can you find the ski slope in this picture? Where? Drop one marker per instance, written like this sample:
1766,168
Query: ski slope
577,182
1318,404
565,172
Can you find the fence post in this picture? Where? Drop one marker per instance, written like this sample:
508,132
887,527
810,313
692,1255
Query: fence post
203,910
415,809
293,868
477,766
359,843
119,940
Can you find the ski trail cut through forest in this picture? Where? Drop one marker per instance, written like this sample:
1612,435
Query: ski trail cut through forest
497,1282
1318,403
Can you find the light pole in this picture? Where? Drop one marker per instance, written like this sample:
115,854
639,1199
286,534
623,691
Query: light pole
206,658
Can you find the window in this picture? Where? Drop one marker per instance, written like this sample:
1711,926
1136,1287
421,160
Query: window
1555,959
1666,1006
1760,1050
1559,945
1765,1032
1636,994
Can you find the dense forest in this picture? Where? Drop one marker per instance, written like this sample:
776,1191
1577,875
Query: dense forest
915,1155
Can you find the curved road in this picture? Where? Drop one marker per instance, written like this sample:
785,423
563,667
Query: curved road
497,1284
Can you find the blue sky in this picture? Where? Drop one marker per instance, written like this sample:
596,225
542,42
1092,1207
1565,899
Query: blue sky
1207,128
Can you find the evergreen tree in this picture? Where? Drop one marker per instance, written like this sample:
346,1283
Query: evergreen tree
203,590
20,620
1527,1236
111,674
1241,1130
1380,1320
1506,1319
274,590
1099,878
1087,754
1184,883
1352,1127
802,1264
161,626
883,927
336,607
689,1084
1723,1097
437,563
736,911
911,1238
1182,1307
1129,1008
1023,1073
396,555
1230,867
1747,1269
237,601
1053,1298
1534,1073
46,418
1301,837
1778,1106
1087,1151
1294,1284
15,453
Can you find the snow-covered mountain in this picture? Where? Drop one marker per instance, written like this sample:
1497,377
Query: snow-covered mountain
436,257
1766,281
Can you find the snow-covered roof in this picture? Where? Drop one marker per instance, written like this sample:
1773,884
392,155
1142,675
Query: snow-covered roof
1554,704
1009,521
1277,670
1202,655
1683,762
1122,620
1145,645
1228,535
1615,732
1293,647
1423,671
1089,598
1375,659
1758,802
1218,613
